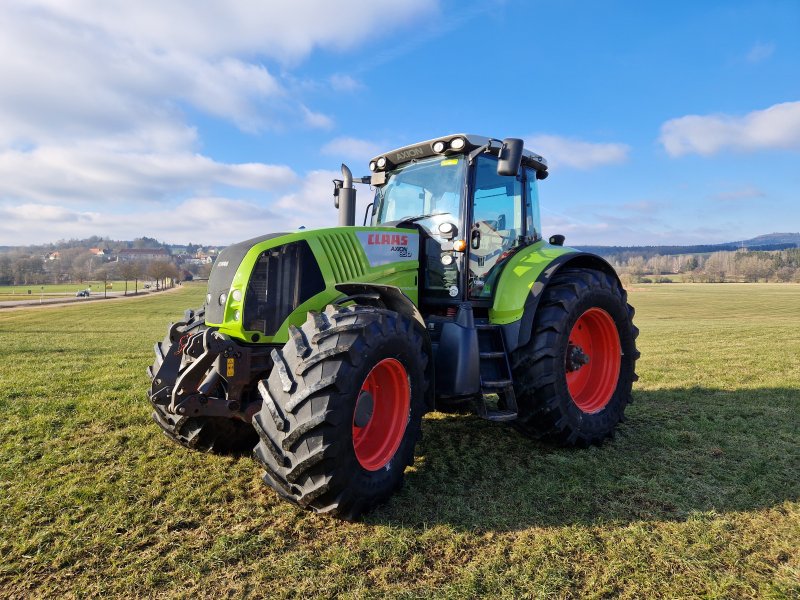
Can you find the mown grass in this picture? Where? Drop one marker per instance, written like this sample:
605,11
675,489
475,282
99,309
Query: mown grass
697,496
50,290
53,288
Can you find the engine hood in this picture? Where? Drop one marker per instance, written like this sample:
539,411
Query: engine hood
225,267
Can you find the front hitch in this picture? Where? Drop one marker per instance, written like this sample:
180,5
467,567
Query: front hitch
202,373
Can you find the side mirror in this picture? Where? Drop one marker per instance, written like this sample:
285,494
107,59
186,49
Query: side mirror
510,157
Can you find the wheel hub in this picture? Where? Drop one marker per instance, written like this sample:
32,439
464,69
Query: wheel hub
364,407
576,358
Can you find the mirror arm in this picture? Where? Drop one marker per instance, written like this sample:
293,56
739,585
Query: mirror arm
485,148
366,212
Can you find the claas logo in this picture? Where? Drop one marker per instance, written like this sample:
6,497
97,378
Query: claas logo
387,239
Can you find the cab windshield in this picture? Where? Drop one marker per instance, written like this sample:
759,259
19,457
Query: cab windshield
430,188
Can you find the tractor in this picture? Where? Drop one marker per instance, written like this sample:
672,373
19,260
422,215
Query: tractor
321,350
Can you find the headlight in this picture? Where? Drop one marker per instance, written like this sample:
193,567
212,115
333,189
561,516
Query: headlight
438,147
457,143
222,297
372,165
237,295
208,298
381,162
237,315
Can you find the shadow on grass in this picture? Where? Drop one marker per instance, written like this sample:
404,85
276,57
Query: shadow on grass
680,452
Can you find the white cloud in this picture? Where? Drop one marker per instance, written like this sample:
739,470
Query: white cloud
344,83
213,219
109,173
351,148
79,64
311,204
616,230
747,192
316,120
285,31
776,127
760,52
218,220
570,152
97,96
643,206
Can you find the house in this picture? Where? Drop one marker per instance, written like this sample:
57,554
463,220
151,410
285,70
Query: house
143,254
97,251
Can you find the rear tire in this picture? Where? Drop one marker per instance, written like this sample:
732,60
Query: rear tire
573,379
342,408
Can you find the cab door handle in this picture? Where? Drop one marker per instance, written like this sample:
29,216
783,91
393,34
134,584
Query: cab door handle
475,239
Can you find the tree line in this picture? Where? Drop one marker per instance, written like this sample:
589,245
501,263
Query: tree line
715,267
79,265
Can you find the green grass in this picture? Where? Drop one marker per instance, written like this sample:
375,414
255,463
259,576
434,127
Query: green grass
20,292
697,496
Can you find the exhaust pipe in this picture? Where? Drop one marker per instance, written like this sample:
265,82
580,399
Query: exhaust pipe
345,198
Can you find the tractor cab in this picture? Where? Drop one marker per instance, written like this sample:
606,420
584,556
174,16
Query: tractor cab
475,201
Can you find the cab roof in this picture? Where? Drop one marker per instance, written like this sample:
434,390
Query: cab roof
471,142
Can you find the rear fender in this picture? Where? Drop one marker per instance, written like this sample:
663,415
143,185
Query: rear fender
528,283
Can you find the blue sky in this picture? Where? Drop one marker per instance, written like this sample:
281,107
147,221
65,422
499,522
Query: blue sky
216,121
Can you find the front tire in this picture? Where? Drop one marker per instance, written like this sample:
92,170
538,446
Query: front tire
342,408
216,435
573,379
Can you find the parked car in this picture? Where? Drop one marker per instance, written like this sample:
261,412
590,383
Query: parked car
82,294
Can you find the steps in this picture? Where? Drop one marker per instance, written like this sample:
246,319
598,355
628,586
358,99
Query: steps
495,374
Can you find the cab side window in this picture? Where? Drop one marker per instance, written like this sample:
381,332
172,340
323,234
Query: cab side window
498,223
533,223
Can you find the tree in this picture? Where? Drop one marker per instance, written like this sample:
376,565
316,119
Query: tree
785,274
636,268
716,267
6,273
129,271
161,270
27,270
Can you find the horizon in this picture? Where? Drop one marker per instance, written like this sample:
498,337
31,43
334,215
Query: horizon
201,244
663,125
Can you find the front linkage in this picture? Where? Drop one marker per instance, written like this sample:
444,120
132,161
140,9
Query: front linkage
202,382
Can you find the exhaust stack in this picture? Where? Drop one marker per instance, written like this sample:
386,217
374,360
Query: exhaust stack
345,198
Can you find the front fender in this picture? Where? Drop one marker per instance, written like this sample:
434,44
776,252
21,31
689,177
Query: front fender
395,300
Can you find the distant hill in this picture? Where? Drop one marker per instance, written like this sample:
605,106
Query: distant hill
770,241
773,238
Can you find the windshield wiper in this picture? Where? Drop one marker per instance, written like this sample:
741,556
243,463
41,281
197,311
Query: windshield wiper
420,217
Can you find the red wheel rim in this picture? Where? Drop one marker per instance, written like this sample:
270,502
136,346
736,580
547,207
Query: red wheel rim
377,440
593,360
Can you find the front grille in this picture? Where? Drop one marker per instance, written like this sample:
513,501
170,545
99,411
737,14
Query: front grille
219,282
342,251
282,279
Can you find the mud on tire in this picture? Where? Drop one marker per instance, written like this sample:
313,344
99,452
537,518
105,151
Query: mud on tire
547,408
307,421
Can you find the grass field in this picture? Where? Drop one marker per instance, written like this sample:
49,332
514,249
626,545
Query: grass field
20,292
697,496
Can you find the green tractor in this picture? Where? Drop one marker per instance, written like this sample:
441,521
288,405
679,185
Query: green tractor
324,348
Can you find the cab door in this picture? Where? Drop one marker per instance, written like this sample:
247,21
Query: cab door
498,224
